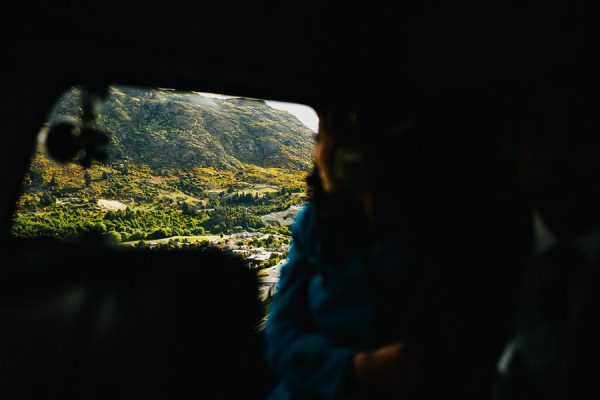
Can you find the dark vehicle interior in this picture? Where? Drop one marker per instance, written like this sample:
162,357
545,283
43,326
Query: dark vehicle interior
82,320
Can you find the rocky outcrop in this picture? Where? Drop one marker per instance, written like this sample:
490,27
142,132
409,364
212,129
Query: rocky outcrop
169,129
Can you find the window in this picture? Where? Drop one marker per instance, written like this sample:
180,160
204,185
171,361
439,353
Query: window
185,169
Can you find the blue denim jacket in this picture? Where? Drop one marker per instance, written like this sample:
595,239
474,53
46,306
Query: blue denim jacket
323,314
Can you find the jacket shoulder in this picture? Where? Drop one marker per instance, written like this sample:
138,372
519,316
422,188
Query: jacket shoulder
302,229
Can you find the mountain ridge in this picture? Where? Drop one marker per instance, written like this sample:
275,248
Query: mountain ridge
171,129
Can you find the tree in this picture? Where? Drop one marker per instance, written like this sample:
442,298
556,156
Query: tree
87,177
198,231
113,237
47,199
35,176
187,209
160,233
27,181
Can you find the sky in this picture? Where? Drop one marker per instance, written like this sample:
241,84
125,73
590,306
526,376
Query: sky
305,114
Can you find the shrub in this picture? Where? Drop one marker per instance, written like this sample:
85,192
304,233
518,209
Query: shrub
113,236
160,233
198,231
46,199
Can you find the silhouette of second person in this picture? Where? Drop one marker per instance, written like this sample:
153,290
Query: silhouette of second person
553,352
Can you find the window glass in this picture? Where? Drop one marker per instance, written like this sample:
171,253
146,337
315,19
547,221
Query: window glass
185,169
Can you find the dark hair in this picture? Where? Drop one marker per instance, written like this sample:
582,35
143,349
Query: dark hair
384,133
339,215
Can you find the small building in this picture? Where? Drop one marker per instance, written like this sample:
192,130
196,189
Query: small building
260,257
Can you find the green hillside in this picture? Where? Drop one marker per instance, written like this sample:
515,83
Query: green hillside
166,129
181,164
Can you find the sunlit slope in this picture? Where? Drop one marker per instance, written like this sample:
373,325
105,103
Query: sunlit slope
166,129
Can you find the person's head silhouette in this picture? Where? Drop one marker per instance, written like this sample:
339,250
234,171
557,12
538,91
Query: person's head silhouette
560,157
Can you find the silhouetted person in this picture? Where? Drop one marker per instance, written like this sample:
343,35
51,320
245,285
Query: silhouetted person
328,335
553,353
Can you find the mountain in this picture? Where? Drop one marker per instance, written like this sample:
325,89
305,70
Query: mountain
182,130
181,164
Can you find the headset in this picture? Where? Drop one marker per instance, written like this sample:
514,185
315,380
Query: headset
360,161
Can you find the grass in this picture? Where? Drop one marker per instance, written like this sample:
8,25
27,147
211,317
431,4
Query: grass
191,239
